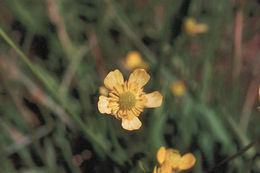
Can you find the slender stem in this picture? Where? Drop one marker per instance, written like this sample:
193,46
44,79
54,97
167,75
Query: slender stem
238,30
87,132
240,152
122,18
71,69
11,43
27,61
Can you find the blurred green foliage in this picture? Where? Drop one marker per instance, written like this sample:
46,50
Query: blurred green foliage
55,55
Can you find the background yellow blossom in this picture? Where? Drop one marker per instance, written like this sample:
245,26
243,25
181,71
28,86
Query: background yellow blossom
134,60
178,88
193,28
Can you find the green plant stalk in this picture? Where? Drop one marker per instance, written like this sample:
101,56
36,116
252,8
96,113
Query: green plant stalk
240,134
210,50
26,60
156,124
240,152
87,132
122,18
121,157
207,66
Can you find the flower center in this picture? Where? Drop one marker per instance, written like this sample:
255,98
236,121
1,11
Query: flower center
127,100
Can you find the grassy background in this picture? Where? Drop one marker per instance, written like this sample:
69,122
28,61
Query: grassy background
54,56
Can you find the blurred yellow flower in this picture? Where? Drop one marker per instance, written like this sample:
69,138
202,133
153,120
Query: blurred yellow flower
259,92
103,91
258,97
134,60
178,88
171,161
126,99
192,28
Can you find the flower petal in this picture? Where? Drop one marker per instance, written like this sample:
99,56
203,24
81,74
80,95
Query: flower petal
132,124
187,161
113,78
140,76
166,167
103,105
161,154
154,99
155,169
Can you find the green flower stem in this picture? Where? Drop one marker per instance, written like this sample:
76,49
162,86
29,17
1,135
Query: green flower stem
27,61
240,152
86,131
122,18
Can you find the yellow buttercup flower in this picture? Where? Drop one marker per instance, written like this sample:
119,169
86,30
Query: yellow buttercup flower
171,161
126,99
178,88
192,28
134,60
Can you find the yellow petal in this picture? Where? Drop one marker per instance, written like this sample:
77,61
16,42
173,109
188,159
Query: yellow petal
113,78
187,161
173,158
132,124
166,168
140,76
161,154
192,28
155,169
154,99
103,105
